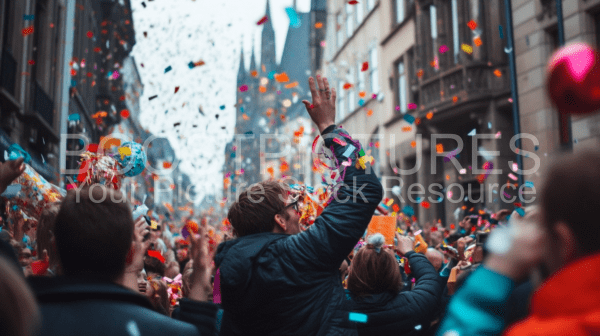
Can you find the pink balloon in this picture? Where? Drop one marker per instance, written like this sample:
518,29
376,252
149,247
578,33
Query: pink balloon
574,79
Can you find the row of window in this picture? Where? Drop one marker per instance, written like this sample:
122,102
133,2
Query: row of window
348,99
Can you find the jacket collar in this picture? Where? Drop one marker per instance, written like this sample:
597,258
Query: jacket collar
572,290
65,289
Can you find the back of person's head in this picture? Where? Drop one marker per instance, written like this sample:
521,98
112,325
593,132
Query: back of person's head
374,270
154,265
94,232
45,230
19,313
571,195
255,210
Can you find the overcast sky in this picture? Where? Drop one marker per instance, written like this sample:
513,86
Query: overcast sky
183,31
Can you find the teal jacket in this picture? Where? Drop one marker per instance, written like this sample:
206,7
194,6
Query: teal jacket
479,306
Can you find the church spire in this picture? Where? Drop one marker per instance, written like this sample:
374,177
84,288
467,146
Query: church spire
267,57
252,58
242,69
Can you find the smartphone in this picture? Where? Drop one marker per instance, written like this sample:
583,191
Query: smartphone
481,238
147,236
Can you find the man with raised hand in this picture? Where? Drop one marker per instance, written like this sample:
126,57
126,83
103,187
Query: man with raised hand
277,279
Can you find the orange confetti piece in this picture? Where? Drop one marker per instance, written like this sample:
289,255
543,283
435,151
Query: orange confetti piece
369,113
245,116
254,73
413,144
262,89
418,121
319,25
472,24
282,78
439,148
429,115
455,99
447,177
498,73
167,165
406,129
477,41
420,73
347,86
362,94
291,85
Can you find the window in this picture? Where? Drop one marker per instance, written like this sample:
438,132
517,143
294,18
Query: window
400,7
339,32
349,20
373,75
370,5
341,110
351,91
455,32
402,87
360,84
360,14
434,35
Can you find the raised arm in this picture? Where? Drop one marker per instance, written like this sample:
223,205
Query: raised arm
333,235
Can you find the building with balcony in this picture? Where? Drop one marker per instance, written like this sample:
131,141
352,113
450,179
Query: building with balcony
32,64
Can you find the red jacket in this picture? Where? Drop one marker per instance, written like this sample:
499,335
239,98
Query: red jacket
568,303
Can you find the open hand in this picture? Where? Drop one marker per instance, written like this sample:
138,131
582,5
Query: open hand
404,244
200,280
322,109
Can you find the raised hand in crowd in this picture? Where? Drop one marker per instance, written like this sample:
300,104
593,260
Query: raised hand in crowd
9,171
200,285
403,244
322,108
514,252
135,258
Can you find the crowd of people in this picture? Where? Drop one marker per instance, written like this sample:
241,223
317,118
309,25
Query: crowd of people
86,266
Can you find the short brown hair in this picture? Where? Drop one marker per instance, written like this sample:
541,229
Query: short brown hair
571,194
251,214
94,232
374,273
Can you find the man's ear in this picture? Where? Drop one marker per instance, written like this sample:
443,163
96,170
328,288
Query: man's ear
567,242
280,223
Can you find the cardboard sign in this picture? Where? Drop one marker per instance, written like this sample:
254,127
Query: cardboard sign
386,225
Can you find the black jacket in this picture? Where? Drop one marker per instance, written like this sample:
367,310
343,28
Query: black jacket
75,307
278,284
403,313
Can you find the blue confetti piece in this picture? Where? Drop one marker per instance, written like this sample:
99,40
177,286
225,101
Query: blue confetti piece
408,210
361,102
271,74
29,17
358,317
536,148
191,65
222,107
74,117
489,125
349,151
294,18
73,83
529,184
520,211
501,32
169,68
409,118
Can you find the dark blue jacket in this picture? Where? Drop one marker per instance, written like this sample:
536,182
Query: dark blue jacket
278,284
406,312
75,307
